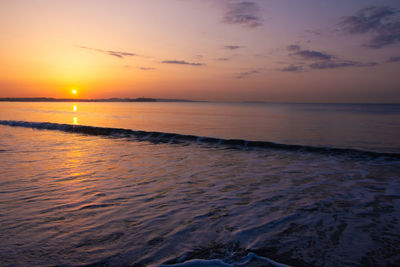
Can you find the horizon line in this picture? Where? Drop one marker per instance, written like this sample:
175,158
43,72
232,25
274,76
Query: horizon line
151,99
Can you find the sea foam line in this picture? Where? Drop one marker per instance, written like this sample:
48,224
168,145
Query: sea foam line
174,138
217,262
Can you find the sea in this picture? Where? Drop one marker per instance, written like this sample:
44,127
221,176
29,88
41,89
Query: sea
199,184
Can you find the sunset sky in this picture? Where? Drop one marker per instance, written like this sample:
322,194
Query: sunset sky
271,50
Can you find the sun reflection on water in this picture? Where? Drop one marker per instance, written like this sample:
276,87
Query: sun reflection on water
75,109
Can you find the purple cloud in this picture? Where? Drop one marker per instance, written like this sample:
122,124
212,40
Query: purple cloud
244,13
292,68
232,47
382,23
245,74
182,62
118,54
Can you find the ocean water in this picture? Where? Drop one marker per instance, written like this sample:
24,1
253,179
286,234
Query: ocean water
164,184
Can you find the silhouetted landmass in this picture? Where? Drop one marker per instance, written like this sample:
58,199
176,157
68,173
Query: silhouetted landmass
47,99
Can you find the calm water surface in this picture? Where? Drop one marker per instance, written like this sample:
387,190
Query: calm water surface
366,127
76,199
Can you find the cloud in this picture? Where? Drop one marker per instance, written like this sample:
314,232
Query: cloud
320,60
388,35
182,62
244,13
340,64
118,54
292,68
222,59
308,54
313,55
140,68
232,47
293,47
381,21
394,59
245,74
367,19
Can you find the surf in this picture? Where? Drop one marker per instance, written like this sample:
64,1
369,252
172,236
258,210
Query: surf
176,138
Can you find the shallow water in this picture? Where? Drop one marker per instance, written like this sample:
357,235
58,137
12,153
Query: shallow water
321,189
74,199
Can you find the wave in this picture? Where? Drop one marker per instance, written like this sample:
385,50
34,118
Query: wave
174,138
220,263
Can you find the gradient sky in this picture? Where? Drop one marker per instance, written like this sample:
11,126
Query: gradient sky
272,50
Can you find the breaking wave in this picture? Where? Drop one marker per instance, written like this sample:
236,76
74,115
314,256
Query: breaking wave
174,138
251,257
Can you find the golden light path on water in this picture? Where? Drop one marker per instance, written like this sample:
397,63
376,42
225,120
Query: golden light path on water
75,109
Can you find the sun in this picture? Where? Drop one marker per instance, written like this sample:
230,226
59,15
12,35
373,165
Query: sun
74,91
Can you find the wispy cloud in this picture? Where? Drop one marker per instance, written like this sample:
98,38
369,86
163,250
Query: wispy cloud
382,22
367,19
319,60
292,68
182,62
340,64
222,59
244,13
245,74
140,68
118,54
313,55
293,48
309,54
232,47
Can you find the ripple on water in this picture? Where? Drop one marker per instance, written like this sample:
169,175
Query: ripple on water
82,203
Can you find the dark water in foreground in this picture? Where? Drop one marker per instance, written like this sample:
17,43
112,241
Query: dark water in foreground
80,198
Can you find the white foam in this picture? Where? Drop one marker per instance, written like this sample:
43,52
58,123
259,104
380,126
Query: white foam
217,262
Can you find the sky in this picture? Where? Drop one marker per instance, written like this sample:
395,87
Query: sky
217,50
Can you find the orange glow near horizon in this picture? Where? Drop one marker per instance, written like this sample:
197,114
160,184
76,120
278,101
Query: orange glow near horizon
209,59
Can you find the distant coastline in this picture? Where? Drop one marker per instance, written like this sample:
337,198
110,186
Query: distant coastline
49,99
146,99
